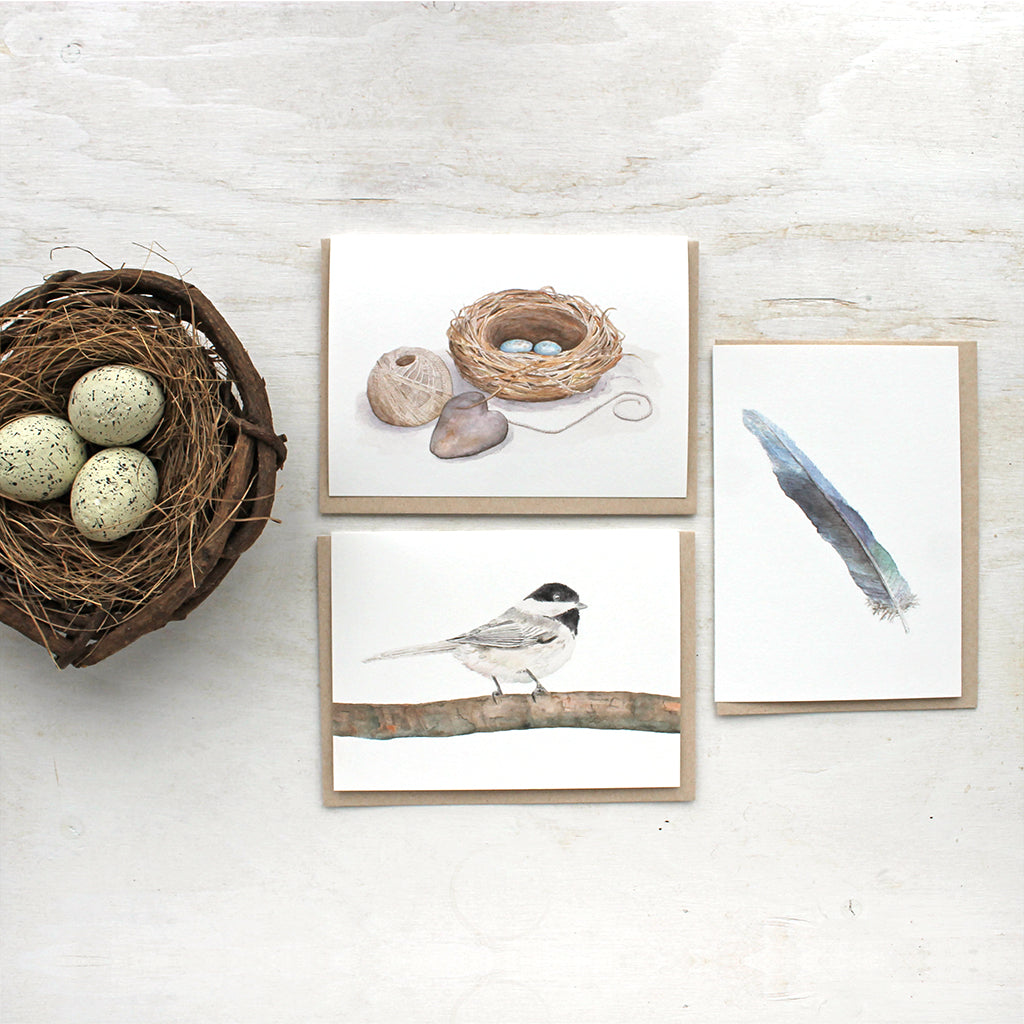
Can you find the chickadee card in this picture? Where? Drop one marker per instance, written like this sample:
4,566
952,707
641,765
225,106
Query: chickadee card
534,665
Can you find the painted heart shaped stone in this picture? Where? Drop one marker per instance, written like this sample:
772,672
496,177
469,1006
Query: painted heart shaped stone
467,427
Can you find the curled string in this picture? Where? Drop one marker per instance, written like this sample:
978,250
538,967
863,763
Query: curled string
633,406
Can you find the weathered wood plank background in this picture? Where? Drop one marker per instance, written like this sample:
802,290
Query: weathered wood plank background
851,172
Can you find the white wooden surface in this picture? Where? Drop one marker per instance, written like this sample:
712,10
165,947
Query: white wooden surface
851,172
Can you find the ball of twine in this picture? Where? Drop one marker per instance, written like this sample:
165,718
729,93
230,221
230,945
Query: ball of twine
591,344
408,387
215,452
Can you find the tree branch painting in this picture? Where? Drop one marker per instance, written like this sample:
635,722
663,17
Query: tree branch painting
645,712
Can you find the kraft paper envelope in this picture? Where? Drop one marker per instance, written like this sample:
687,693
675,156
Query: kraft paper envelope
687,656
497,504
968,393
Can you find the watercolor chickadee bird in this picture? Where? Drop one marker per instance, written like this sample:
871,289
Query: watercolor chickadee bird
524,644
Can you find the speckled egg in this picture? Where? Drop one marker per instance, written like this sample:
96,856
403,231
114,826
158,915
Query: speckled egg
115,405
39,457
547,348
516,346
113,493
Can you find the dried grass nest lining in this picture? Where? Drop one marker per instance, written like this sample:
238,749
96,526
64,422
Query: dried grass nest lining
591,344
84,600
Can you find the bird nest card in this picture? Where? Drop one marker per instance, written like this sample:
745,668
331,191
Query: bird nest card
845,526
507,666
509,373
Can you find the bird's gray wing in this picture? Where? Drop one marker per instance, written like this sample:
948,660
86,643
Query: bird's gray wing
507,633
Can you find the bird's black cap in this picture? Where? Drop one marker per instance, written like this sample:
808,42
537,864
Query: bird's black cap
554,592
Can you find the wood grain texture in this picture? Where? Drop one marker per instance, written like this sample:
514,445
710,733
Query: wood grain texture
850,173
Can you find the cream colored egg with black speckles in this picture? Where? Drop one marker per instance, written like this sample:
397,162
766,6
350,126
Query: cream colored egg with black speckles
115,405
40,455
113,493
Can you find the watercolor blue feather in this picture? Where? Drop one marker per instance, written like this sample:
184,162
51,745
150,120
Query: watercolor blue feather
870,565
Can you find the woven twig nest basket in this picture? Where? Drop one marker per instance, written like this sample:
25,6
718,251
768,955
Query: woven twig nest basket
215,451
591,345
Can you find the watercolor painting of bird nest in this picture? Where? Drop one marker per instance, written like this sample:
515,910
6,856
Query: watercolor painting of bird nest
588,341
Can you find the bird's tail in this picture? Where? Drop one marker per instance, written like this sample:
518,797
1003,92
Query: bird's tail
405,652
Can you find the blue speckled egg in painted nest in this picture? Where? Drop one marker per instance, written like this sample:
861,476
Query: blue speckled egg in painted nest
547,348
113,493
516,346
115,405
40,455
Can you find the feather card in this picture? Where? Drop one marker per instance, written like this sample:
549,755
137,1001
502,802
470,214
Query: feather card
870,565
